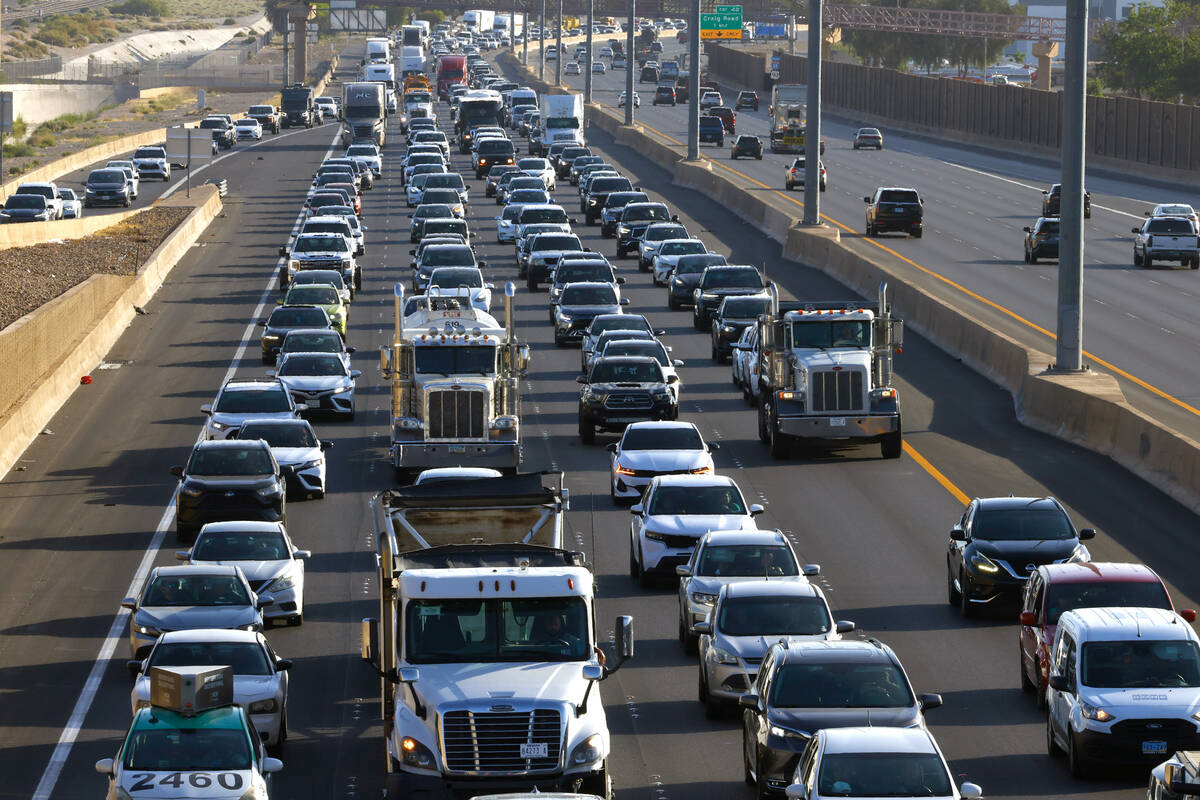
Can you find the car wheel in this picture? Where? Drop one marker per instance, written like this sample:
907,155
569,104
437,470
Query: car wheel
1075,760
635,570
781,446
1052,748
892,445
1031,258
965,607
747,775
686,639
713,708
1147,261
1195,263
759,156
1137,260
871,232
917,233
760,783
1026,684
587,431
952,595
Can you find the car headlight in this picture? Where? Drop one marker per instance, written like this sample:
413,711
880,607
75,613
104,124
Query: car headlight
281,583
786,733
621,229
263,706
270,337
293,265
588,751
147,630
982,563
1092,712
678,282
256,792
190,491
416,754
221,426
268,491
316,462
1079,555
723,656
703,598
662,395
346,263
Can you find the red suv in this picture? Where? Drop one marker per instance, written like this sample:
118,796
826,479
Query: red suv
728,118
1055,588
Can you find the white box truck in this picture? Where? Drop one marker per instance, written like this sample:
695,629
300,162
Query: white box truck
562,119
412,61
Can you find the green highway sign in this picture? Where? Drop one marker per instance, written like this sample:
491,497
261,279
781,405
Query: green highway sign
725,23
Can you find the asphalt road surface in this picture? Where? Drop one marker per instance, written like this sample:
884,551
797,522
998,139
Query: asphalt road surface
88,511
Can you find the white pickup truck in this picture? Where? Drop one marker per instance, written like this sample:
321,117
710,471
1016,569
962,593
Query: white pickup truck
1166,239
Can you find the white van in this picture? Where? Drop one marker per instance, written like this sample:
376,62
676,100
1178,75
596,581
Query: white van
1124,687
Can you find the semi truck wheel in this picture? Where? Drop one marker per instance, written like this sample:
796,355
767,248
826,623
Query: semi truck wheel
892,445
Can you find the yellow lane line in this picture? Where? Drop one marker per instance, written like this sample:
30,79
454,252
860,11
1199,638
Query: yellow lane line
973,295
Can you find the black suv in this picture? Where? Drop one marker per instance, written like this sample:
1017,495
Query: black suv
228,480
224,132
610,214
892,209
1000,541
808,686
686,277
712,130
287,318
1052,198
733,316
746,146
664,96
562,164
623,389
717,283
634,220
746,100
591,203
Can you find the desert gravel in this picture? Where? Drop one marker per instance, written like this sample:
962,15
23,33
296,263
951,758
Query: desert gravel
31,276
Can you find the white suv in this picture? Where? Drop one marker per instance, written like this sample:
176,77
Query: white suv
1124,687
676,510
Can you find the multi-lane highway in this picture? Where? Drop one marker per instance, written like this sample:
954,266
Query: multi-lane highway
89,511
1142,323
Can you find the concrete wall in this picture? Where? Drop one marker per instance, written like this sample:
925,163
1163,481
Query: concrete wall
90,155
1138,135
25,234
37,102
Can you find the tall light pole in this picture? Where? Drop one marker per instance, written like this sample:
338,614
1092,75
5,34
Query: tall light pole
525,38
587,75
1069,349
694,84
558,51
812,132
630,61
542,43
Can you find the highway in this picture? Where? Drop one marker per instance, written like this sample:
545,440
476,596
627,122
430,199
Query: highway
1140,322
90,511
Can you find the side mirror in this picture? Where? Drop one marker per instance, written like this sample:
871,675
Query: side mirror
1029,618
704,628
624,637
973,791
581,379
624,301
351,349
682,570
412,252
1087,533
957,534
796,791
611,447
177,471
326,444
620,281
756,509
672,379
810,570
482,264
1188,614
749,701
1135,230
206,409
660,332
866,200
182,555
271,373
1026,229
270,765
283,665
636,508
105,766
354,373
130,603
677,363
1058,683
843,626
674,218
283,251
1147,213
928,702
302,554
369,642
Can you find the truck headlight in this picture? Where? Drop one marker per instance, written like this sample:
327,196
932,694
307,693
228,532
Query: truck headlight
504,423
221,426
662,395
263,706
415,754
256,792
1092,712
408,423
588,751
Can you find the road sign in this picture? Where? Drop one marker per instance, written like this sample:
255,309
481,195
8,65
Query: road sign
725,23
776,63
6,112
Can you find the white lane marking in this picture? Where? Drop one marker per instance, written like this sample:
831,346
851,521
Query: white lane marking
91,686
1036,189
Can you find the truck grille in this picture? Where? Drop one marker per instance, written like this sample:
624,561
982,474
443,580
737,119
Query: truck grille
363,130
457,414
837,391
491,741
319,263
628,401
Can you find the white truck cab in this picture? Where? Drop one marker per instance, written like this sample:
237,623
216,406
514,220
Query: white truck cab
1124,687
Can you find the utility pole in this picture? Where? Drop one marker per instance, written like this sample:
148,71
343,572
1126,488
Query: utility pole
693,152
587,75
525,38
542,43
558,51
630,63
285,55
1069,349
812,133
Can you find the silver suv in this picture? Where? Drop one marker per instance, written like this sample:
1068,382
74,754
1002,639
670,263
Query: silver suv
243,399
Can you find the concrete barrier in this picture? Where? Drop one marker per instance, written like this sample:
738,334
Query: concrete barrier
101,152
45,353
25,234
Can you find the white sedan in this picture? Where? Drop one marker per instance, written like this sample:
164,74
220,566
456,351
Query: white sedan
296,447
72,205
273,566
260,679
540,168
572,68
647,449
637,101
248,128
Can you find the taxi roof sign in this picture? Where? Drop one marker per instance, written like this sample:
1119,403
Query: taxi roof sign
190,690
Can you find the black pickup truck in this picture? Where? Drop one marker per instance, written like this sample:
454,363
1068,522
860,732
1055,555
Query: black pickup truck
619,390
892,209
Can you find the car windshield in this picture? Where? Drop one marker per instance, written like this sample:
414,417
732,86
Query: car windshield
318,244
450,180
446,226
1174,211
495,146
312,295
646,212
624,322
687,499
433,211
246,658
831,685
489,630
1140,664
696,264
773,616
424,158
883,775
626,372
428,169
362,150
658,233
447,256
581,271
325,365
456,360
1048,226
556,242
1021,524
1170,226
847,333
106,176
747,560
744,307
278,434
340,227
534,164
526,182
536,215
196,590
297,317
241,546
620,200
444,196
608,184
453,278
1062,597
227,461
682,248
25,201
161,749
644,438
149,152
528,196
589,296
269,400
898,196
262,109
869,132
732,279
638,348
330,342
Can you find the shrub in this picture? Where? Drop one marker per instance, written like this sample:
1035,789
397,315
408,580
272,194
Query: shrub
145,8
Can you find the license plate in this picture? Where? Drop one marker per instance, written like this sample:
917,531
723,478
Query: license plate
1154,748
899,209
837,422
535,751
458,448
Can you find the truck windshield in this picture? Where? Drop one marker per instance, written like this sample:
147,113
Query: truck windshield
848,333
1143,664
456,361
562,122
189,749
534,629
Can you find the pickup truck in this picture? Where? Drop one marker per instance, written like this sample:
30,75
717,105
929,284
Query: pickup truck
1166,239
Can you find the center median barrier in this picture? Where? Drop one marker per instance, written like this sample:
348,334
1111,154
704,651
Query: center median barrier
45,353
91,155
1087,409
25,234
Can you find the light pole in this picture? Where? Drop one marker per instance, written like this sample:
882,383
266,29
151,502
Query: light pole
630,61
812,132
525,38
1069,347
558,53
587,76
542,43
694,84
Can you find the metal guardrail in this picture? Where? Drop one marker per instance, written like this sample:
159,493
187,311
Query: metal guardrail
221,184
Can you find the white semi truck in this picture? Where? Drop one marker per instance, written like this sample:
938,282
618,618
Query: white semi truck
825,375
487,643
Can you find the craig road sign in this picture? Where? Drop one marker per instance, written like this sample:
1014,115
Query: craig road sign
726,23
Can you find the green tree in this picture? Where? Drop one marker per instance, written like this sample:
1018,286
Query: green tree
1145,53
